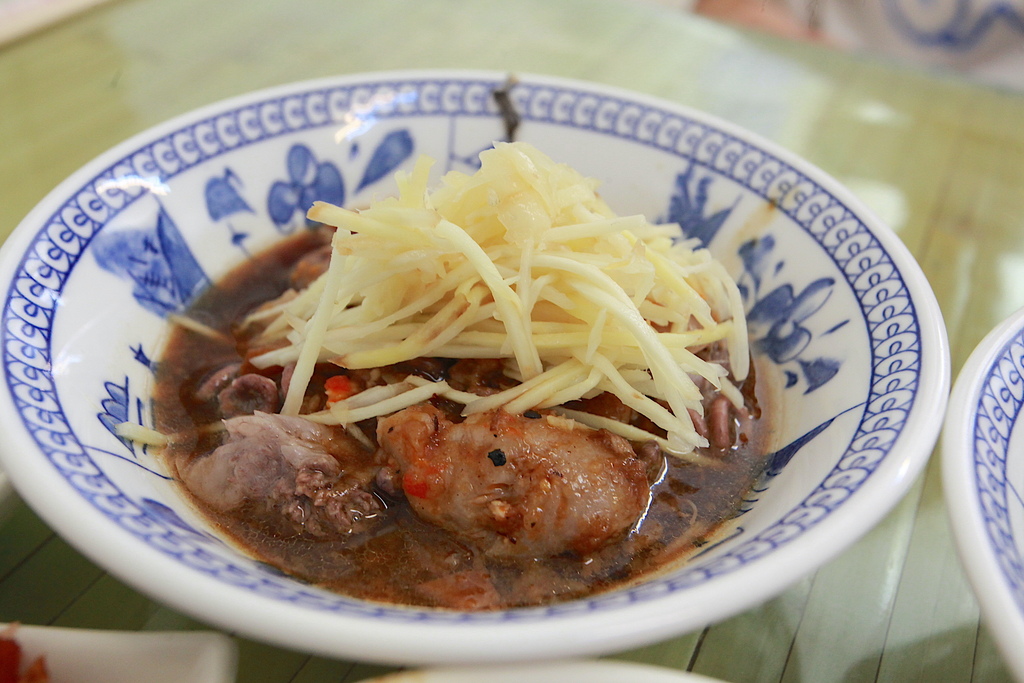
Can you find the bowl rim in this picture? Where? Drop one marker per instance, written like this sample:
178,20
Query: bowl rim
971,533
611,629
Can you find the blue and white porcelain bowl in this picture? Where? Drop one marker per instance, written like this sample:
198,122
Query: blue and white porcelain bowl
844,327
983,481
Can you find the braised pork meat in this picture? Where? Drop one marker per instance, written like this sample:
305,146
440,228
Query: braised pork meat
516,485
294,476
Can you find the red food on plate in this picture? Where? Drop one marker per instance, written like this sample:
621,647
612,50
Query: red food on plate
10,661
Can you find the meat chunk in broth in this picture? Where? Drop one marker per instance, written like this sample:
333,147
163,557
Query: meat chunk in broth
294,476
514,485
249,394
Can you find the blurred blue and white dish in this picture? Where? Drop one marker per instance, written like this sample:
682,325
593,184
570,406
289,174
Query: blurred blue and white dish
983,477
599,671
844,327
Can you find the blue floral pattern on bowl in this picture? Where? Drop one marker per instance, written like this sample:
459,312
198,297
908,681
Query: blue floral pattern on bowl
308,180
157,261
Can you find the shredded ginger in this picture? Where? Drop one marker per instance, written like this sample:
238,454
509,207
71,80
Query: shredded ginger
521,261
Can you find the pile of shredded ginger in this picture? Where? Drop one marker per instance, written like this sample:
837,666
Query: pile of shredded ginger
521,261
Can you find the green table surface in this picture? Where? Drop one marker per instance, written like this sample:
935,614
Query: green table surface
936,157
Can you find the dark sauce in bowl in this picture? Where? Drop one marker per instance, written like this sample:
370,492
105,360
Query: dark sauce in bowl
403,559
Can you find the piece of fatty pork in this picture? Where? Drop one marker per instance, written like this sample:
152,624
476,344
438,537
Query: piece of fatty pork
292,476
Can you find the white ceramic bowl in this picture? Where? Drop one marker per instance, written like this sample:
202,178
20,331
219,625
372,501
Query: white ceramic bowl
101,656
599,671
844,326
983,471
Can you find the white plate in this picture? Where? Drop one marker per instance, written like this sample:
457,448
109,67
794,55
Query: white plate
983,478
555,672
96,656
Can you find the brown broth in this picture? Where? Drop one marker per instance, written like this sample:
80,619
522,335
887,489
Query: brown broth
405,559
